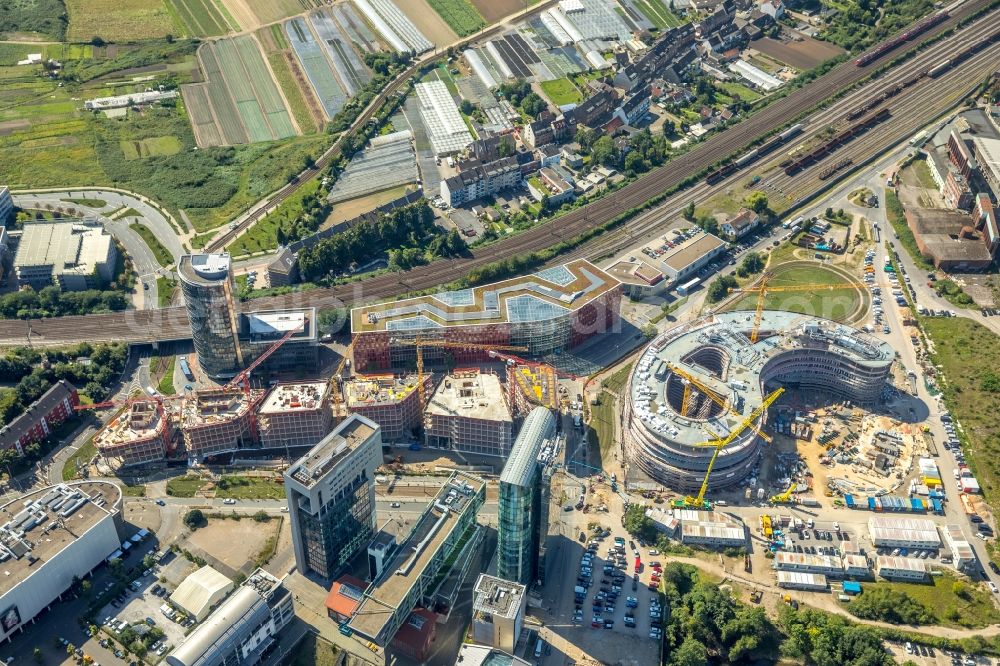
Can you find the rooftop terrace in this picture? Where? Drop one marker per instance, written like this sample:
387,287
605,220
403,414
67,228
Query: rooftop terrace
497,596
549,293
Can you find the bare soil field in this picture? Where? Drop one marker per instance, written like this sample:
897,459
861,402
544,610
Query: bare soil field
217,539
801,55
494,10
428,22
244,15
347,210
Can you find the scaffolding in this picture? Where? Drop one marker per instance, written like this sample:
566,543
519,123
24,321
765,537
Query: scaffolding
392,401
219,420
295,414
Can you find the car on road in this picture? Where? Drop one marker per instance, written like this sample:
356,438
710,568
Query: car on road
994,567
395,505
993,587
229,500
160,502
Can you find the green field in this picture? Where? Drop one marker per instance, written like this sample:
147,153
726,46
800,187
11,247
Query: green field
184,486
969,356
561,91
837,304
164,291
895,212
731,88
81,456
118,20
292,93
160,253
263,235
40,18
201,17
156,145
92,203
658,14
166,385
460,15
249,487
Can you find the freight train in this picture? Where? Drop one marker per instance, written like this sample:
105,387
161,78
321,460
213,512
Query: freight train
836,142
764,149
899,40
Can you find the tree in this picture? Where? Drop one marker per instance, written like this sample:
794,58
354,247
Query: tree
533,105
690,653
752,263
603,151
669,127
634,163
195,519
332,320
649,331
688,212
720,287
467,107
85,587
757,202
637,523
37,655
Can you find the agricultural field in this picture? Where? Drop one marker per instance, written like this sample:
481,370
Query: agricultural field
272,10
291,79
202,18
494,10
119,20
317,66
352,72
561,91
33,18
431,22
658,13
239,102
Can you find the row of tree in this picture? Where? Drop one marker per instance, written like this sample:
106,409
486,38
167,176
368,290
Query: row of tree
53,302
410,228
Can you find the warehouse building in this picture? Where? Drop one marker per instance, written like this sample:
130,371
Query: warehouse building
201,591
295,414
406,581
821,564
49,539
37,421
331,497
710,528
987,154
72,255
498,609
901,568
392,401
887,532
798,580
137,435
666,262
468,412
242,629
547,312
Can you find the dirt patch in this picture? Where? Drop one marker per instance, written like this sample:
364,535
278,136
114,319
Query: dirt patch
802,55
494,10
215,541
242,13
11,126
428,22
348,210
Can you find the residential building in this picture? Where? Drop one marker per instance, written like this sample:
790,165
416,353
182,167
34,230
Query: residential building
552,185
592,112
242,629
498,609
409,579
891,532
548,155
547,312
773,8
71,255
469,412
211,303
634,107
6,206
50,539
37,421
518,534
538,133
331,497
391,401
901,568
480,181
201,591
219,420
740,225
294,414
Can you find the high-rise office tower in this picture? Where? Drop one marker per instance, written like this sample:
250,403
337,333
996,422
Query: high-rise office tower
207,286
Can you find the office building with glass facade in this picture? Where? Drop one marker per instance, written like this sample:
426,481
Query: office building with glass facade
520,499
331,497
211,306
547,312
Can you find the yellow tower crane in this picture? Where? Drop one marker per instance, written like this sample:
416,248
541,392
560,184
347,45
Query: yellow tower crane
420,343
698,502
338,378
692,381
762,290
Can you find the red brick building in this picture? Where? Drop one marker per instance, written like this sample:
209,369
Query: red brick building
415,638
38,420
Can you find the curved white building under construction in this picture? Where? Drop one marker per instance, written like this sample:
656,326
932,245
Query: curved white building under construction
798,352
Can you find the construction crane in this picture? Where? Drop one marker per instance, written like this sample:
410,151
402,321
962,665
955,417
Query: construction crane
692,381
698,502
420,343
551,371
785,497
244,376
762,290
338,376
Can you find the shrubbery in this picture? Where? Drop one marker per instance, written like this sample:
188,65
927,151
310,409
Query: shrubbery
888,605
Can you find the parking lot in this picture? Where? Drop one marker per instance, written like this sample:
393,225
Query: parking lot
140,606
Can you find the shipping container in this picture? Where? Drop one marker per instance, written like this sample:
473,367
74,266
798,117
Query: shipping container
849,501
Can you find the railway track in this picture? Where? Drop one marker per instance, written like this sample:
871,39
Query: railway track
172,323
